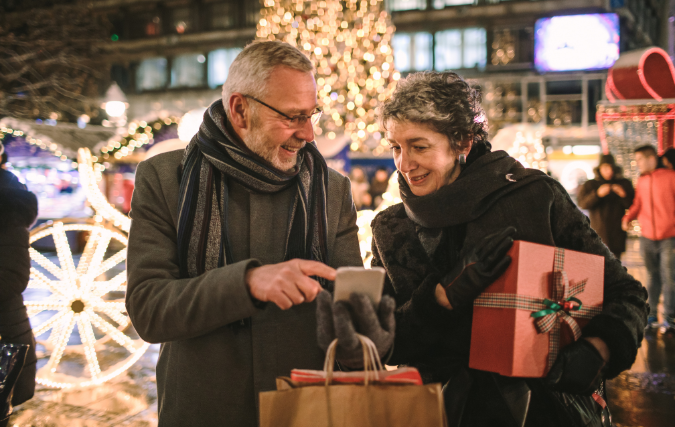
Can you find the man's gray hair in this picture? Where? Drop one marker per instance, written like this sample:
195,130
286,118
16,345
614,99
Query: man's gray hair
443,101
251,69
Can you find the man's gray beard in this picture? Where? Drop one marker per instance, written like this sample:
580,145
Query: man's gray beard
257,142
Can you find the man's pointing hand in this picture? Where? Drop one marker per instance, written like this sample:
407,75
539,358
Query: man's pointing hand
288,283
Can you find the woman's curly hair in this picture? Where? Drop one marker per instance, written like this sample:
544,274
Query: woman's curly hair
442,100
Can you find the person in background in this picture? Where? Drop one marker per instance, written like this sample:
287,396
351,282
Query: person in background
668,158
654,208
606,198
360,187
18,212
378,185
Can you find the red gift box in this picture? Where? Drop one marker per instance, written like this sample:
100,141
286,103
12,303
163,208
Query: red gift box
534,309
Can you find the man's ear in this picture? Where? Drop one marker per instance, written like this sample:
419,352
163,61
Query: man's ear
240,113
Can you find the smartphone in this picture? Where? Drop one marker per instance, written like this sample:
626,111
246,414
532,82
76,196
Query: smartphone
359,279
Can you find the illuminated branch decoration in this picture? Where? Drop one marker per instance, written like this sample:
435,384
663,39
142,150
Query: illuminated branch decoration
137,135
50,62
350,44
9,128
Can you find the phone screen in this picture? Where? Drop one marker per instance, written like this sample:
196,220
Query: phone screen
359,279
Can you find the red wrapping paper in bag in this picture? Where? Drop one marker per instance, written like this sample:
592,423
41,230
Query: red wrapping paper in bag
537,307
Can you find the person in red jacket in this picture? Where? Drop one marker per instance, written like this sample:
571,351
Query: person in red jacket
654,208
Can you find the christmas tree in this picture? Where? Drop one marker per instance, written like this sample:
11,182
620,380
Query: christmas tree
350,44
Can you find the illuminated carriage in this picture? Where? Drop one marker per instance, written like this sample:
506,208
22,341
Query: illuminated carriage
83,332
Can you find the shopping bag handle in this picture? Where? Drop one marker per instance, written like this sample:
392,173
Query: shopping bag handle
371,360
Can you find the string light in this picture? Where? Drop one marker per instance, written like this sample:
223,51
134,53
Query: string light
528,149
88,180
138,134
88,340
8,129
350,44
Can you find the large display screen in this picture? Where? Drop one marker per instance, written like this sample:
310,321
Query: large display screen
576,42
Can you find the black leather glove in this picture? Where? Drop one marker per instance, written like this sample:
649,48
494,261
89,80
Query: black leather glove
343,319
478,268
578,369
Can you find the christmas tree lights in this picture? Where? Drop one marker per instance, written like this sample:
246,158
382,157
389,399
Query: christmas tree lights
350,44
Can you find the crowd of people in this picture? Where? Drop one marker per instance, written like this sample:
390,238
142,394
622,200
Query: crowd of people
368,195
235,242
652,203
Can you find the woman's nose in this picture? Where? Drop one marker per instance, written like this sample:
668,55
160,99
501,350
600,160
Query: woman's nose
406,163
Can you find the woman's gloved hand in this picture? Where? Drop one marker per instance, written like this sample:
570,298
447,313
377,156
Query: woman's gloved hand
478,268
578,369
344,319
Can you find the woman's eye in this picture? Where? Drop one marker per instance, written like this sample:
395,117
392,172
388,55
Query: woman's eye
394,147
420,148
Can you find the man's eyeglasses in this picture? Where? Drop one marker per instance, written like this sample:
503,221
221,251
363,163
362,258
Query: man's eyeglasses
294,121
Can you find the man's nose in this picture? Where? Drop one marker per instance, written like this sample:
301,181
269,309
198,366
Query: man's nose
306,131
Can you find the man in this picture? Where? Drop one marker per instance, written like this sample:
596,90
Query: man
606,198
226,237
654,207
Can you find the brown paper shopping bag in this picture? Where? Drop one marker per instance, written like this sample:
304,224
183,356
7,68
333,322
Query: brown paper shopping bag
372,403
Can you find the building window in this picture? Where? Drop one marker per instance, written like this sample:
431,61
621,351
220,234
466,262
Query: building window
222,15
144,25
219,65
252,12
188,70
464,48
440,4
412,52
151,74
397,5
181,20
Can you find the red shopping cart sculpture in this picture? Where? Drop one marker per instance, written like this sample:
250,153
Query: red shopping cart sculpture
641,108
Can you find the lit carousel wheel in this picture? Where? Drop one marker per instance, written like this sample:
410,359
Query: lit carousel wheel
83,332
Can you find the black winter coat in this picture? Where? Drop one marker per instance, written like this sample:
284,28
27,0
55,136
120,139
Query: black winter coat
436,340
18,211
606,212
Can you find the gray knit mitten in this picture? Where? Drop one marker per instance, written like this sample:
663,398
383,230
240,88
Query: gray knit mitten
344,319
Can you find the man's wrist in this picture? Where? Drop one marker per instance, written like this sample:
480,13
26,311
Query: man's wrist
254,264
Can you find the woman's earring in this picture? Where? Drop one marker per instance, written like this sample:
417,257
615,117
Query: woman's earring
462,159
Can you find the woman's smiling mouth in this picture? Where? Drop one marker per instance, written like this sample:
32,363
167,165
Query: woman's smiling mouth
418,180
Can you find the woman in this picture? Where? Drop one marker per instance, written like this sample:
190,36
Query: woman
462,208
606,198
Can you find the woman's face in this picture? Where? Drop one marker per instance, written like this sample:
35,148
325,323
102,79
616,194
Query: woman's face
423,156
606,171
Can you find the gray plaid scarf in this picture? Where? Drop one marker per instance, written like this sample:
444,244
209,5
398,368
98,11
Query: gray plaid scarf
215,156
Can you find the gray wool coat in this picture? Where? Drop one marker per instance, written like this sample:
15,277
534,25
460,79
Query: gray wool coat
219,348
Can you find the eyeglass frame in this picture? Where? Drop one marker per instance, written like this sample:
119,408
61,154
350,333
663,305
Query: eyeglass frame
317,112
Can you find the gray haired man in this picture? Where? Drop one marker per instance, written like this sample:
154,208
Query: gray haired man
231,241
